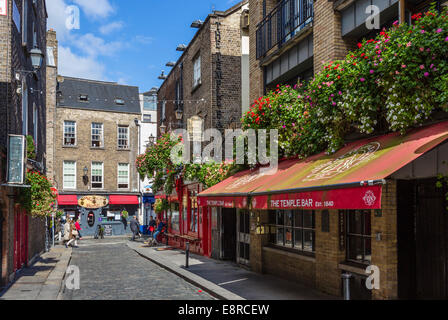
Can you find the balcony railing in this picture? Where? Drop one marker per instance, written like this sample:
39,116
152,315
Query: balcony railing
282,23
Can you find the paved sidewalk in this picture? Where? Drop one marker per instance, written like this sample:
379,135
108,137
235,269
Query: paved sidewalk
226,280
43,280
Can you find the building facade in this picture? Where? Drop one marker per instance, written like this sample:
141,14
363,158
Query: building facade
95,141
148,136
208,88
22,113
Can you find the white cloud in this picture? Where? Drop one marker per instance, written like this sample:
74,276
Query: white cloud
96,8
72,65
111,27
143,39
95,46
57,17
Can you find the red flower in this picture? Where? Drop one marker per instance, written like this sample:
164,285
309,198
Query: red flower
359,45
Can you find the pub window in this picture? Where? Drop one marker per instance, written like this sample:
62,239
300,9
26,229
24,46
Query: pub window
358,234
69,173
294,229
69,133
123,176
97,135
123,137
174,217
97,175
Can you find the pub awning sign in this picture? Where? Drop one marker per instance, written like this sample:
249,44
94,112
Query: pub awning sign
16,159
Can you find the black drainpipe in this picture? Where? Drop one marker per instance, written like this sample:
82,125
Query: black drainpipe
1,245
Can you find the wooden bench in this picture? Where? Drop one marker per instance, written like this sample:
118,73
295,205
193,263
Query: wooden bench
185,237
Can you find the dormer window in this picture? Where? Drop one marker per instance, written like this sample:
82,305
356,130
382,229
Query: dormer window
83,98
119,101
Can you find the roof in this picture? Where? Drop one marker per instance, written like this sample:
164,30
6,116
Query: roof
360,163
102,95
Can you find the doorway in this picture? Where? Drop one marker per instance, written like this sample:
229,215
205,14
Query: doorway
228,234
243,237
422,240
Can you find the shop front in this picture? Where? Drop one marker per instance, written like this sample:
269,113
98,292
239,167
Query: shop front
112,212
349,213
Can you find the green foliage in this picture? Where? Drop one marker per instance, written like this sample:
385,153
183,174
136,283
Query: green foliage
39,199
30,148
209,174
125,214
391,83
161,205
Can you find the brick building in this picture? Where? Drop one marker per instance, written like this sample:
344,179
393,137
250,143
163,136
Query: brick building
208,87
316,220
94,133
22,112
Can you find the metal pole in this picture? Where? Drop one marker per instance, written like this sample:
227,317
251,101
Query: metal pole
187,253
346,279
52,229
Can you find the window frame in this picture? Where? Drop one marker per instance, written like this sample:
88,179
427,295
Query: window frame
128,176
128,146
101,134
63,175
102,176
363,235
294,228
146,120
75,133
197,74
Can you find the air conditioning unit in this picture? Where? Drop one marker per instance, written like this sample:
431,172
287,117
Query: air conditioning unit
245,19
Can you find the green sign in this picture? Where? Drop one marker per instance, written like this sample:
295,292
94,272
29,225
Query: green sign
16,159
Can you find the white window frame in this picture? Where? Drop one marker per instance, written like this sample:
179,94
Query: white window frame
63,175
118,176
63,134
197,71
145,119
101,134
102,175
128,147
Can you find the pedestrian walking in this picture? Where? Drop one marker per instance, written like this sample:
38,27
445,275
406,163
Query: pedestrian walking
67,232
73,233
135,227
78,228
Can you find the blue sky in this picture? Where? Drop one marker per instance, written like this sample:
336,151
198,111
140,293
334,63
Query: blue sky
128,41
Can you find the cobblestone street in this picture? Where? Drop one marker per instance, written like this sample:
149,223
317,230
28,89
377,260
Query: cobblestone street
110,270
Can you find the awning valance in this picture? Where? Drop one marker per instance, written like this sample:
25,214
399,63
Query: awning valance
67,200
348,179
117,199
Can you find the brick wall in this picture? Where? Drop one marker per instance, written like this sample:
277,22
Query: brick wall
52,73
83,154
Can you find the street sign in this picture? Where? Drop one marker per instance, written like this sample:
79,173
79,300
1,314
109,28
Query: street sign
16,159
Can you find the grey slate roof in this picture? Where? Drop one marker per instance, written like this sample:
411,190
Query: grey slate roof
101,94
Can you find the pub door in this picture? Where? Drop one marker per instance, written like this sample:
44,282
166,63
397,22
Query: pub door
431,239
422,240
228,234
243,237
20,238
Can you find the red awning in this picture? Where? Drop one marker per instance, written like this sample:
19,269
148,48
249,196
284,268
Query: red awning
67,200
352,178
123,200
225,202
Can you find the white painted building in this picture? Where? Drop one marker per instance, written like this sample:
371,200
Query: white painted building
148,135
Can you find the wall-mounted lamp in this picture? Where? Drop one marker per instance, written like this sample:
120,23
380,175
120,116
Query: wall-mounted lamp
85,178
162,129
163,76
179,113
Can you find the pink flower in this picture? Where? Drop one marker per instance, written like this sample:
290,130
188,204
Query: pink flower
395,23
439,30
371,71
409,44
426,74
403,66
431,66
422,31
422,49
422,67
362,79
446,39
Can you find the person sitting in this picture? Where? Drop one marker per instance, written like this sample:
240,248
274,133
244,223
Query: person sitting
160,226
151,226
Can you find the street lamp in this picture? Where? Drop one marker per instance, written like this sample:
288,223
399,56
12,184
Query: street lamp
162,129
179,113
36,58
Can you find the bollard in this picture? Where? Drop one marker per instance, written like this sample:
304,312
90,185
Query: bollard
187,253
346,279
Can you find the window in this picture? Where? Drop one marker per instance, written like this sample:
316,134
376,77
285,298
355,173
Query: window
174,217
69,173
69,133
146,118
163,116
358,234
83,98
294,229
35,123
24,108
97,175
197,72
123,137
150,103
119,101
97,135
123,176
